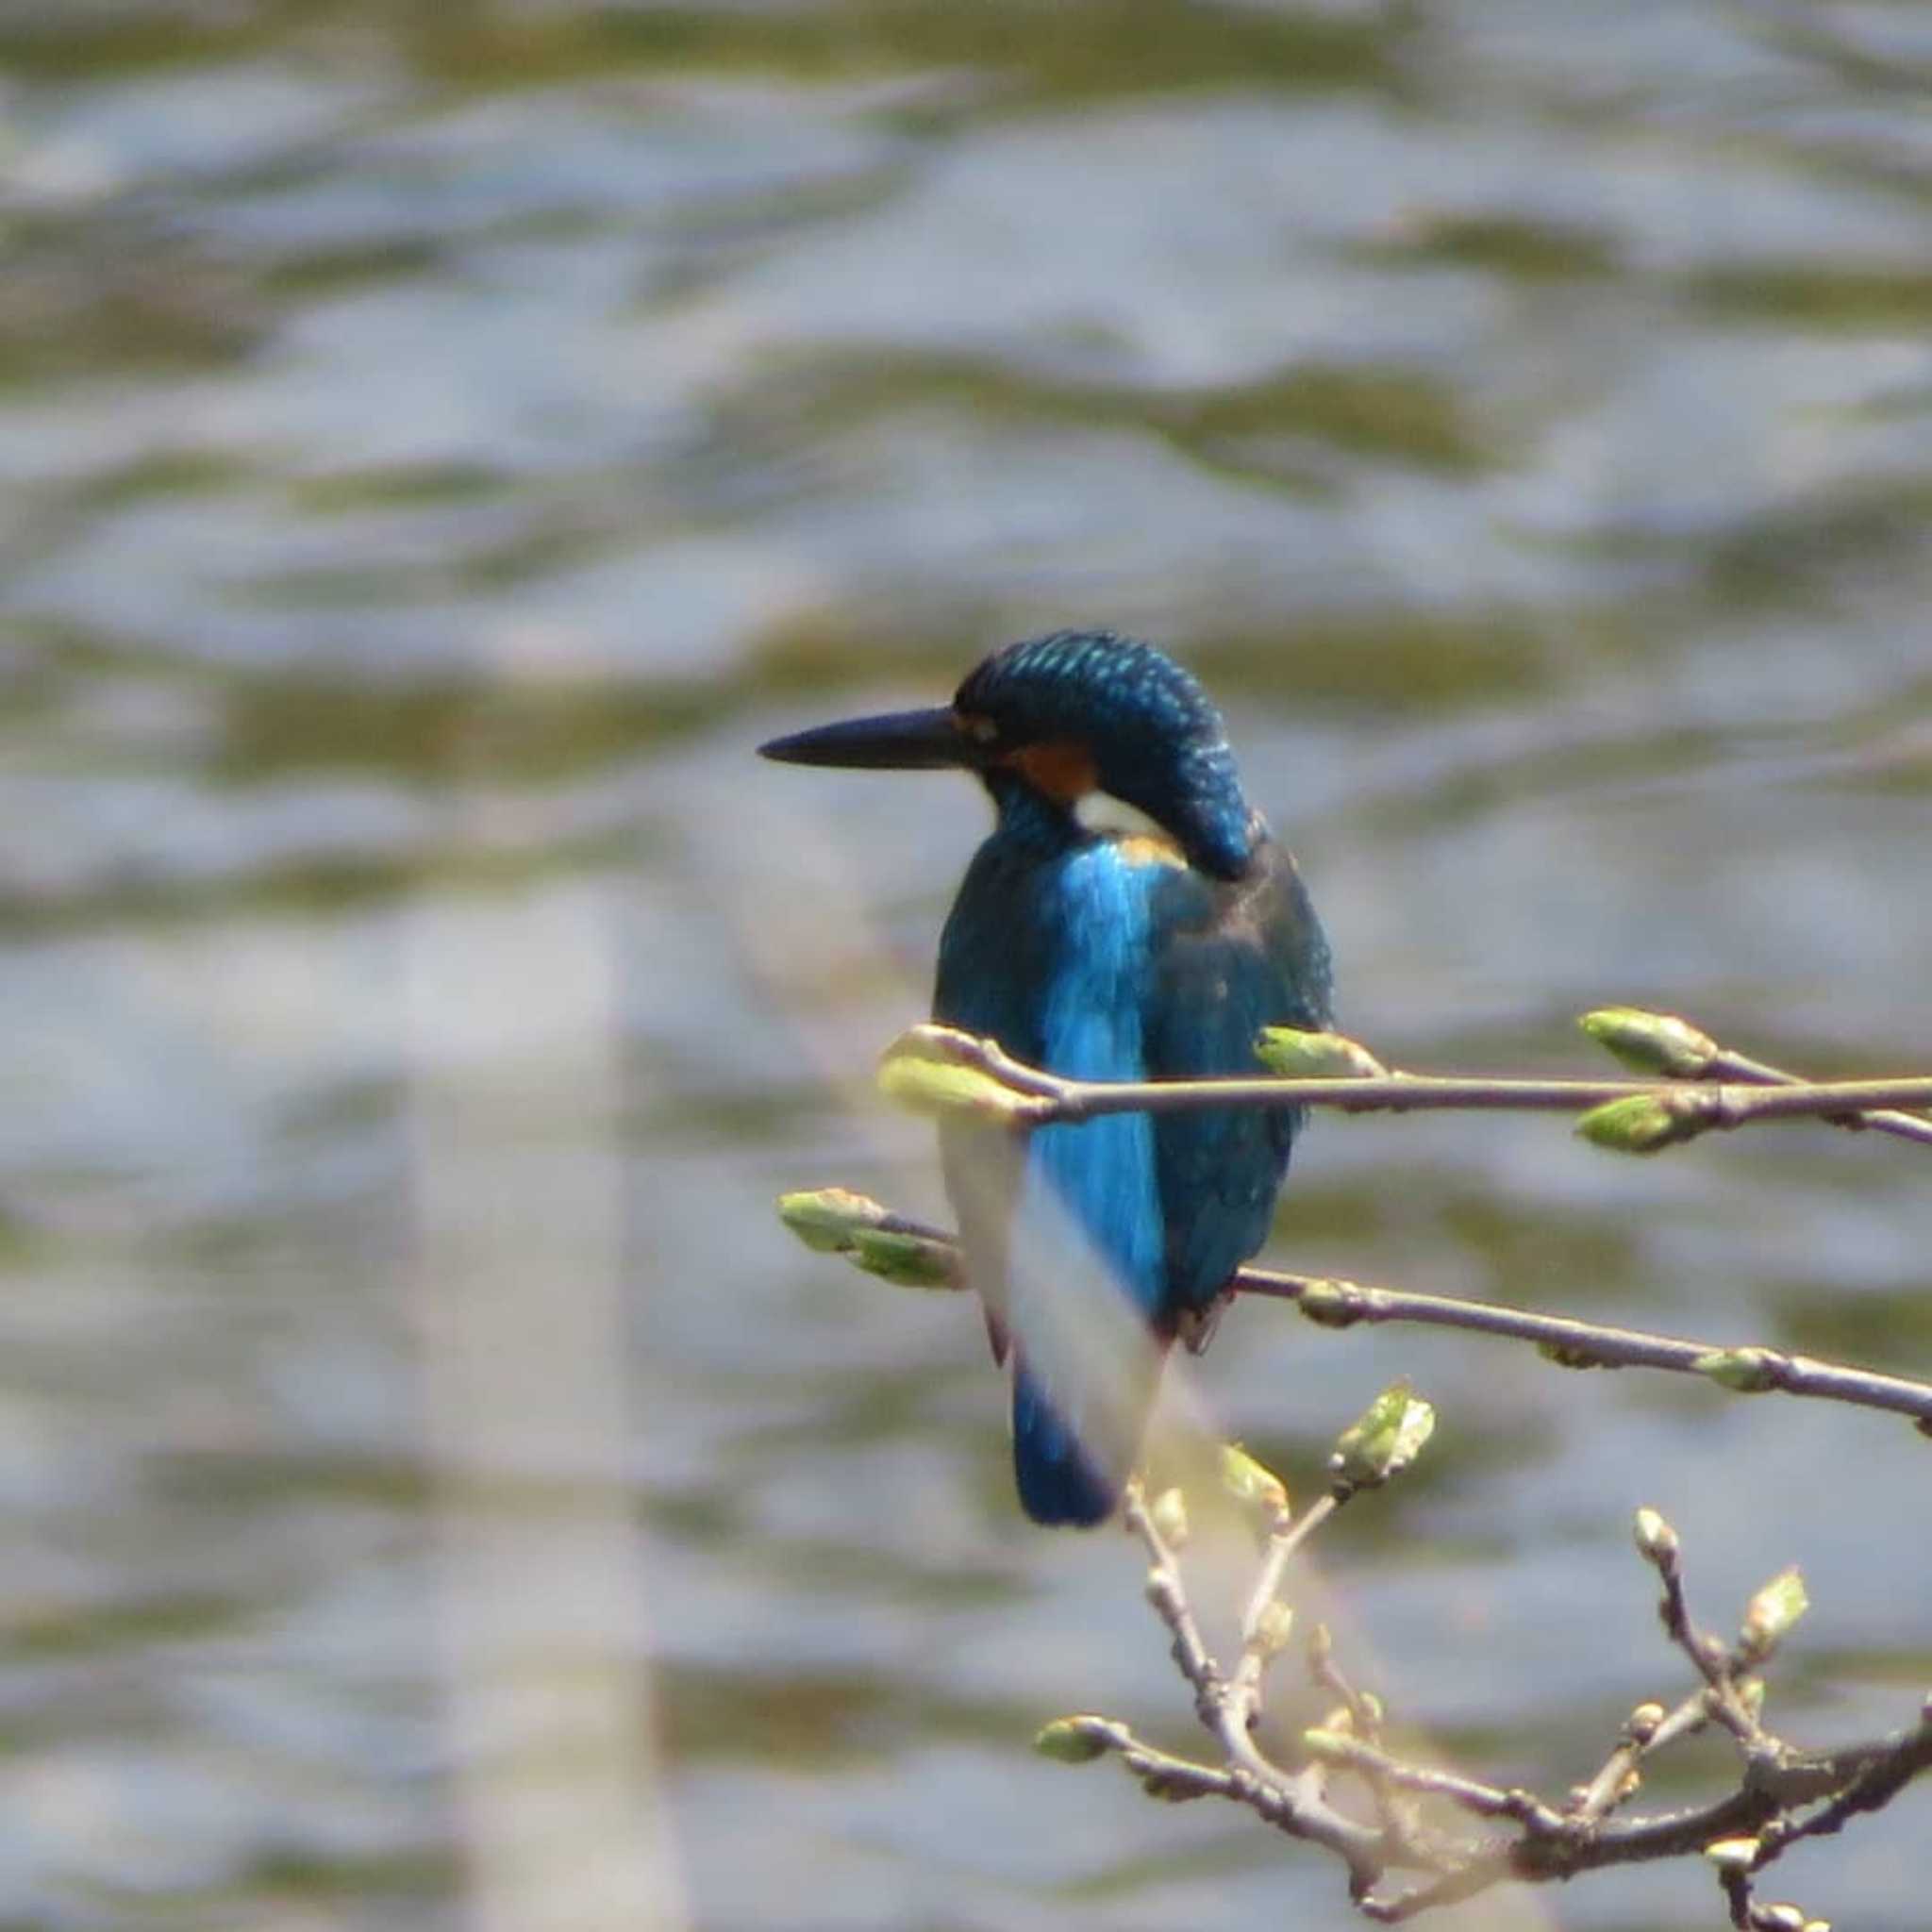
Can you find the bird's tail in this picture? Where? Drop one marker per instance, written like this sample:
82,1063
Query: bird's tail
1067,1476
1058,1482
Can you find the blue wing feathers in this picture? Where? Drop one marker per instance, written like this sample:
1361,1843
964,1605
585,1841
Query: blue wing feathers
1101,1176
1232,960
1096,960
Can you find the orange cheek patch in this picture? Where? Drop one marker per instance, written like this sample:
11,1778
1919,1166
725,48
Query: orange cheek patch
1062,768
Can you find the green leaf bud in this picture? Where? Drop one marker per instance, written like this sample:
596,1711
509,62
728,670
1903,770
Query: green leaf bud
1074,1739
1772,1612
1387,1437
1251,1483
826,1218
1571,1355
1651,1042
924,1070
1747,1370
906,1260
1640,1123
1329,1305
1299,1056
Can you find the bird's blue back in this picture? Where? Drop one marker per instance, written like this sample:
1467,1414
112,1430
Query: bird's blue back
1107,957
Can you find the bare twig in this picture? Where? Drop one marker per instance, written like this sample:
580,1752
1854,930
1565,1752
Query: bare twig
1747,1367
1726,1065
1648,1728
1291,1804
1720,1670
1783,1794
1668,1044
1042,1098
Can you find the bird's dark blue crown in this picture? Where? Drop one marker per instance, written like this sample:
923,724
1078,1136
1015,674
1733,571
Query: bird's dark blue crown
1156,739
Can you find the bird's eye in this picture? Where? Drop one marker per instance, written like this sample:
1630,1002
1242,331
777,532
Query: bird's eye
981,730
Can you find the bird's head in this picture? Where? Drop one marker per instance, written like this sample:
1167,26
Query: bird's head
1062,716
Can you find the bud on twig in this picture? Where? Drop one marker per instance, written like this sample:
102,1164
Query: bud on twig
1384,1440
1165,1786
1075,1740
1651,1042
1656,1541
1299,1056
1639,1728
1251,1483
1273,1629
1772,1612
1329,1304
826,1218
906,1260
1168,1513
1746,1371
834,1221
1640,1123
1571,1355
923,1070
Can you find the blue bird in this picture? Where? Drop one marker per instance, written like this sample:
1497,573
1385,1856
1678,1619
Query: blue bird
1106,955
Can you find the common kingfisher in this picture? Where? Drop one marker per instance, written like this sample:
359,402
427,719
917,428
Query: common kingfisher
1105,954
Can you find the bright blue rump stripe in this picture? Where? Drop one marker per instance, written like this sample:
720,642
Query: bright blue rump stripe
1101,1175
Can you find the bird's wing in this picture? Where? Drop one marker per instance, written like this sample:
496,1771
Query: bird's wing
1062,1229
1230,959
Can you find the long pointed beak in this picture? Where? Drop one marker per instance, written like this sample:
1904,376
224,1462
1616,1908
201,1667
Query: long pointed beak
897,741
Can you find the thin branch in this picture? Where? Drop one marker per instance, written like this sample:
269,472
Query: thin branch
1291,1804
1336,1304
1783,1793
1364,1713
1725,1065
1698,1106
1880,1772
1470,1794
1647,1730
1720,1669
1287,1536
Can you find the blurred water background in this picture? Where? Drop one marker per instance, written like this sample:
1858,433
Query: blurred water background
438,440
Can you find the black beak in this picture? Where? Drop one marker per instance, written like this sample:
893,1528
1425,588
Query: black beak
898,742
